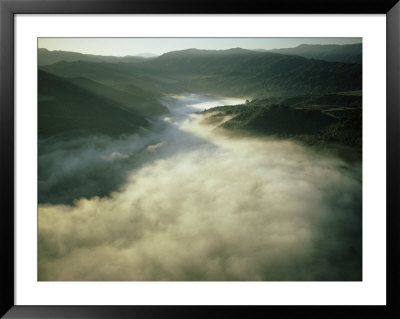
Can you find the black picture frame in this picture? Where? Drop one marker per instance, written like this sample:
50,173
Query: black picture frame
8,8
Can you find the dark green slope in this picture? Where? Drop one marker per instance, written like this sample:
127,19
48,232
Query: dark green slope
241,63
318,77
106,73
66,108
316,101
349,53
279,120
228,62
133,78
241,72
298,117
137,100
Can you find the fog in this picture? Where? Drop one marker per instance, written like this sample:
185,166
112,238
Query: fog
181,201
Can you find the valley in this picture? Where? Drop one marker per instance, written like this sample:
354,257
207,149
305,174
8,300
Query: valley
200,165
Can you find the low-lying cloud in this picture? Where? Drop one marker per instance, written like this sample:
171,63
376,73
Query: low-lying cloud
209,207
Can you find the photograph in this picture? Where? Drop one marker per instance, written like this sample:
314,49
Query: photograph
199,159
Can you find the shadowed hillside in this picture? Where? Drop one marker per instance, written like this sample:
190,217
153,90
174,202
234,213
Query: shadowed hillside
349,53
134,99
66,108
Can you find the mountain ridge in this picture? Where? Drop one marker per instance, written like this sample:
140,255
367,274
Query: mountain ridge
48,57
235,72
65,108
347,53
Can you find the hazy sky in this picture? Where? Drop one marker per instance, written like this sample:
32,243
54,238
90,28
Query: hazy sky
133,46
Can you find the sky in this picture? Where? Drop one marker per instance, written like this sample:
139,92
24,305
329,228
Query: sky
158,46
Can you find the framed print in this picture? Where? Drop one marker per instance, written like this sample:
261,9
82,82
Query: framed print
164,159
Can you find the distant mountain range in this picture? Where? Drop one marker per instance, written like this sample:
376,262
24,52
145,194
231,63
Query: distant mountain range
234,72
349,53
46,57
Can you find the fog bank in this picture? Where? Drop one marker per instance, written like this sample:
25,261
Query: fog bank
188,203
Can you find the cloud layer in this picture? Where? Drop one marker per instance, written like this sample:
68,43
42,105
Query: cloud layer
211,207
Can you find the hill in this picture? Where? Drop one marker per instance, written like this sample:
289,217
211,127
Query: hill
65,108
47,57
306,118
127,77
348,53
136,99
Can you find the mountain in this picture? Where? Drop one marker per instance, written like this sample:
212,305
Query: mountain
233,72
348,53
322,102
127,77
46,57
319,101
136,100
315,120
65,108
245,72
